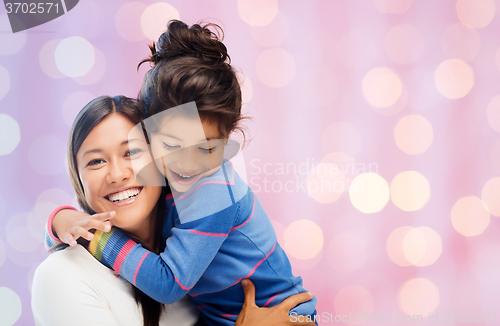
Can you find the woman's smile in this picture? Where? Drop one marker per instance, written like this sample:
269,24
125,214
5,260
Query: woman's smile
124,197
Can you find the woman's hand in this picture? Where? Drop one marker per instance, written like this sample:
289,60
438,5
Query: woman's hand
69,225
252,315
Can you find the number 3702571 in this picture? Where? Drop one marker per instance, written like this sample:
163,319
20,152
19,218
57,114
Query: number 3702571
470,317
31,8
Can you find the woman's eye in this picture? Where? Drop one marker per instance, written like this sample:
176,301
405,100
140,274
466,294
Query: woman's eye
208,150
133,152
95,162
167,146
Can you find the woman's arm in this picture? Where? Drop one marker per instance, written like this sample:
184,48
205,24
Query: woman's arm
252,315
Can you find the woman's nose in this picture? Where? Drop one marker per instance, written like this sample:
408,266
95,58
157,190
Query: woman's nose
118,171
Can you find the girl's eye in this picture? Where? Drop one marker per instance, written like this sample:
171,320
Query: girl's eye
208,150
95,162
133,152
167,146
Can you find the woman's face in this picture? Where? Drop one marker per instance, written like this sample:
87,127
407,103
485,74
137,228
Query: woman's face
104,163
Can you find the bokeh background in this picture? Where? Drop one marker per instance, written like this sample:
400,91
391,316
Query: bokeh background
375,140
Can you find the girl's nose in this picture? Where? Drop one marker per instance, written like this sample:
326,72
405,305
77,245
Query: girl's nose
188,160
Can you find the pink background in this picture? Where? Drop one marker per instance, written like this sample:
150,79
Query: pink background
405,92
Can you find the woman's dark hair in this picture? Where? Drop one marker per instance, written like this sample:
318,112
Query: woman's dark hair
90,116
192,64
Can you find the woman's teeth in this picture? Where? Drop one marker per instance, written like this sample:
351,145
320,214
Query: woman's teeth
124,195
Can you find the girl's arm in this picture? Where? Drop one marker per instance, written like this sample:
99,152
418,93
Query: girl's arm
52,241
66,225
203,219
166,277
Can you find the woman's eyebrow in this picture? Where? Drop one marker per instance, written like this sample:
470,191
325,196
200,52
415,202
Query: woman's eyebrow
96,150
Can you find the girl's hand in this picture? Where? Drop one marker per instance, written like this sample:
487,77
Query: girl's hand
69,225
252,315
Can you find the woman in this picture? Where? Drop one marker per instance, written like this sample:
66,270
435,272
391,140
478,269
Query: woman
70,286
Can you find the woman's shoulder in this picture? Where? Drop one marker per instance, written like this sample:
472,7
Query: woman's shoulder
62,275
69,266
95,292
68,259
65,259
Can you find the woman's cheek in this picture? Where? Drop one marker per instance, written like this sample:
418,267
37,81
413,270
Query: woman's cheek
92,181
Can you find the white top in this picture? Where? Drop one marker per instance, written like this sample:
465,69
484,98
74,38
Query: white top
71,287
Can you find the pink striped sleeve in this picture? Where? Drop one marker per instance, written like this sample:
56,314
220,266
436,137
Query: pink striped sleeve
122,254
51,219
139,265
210,234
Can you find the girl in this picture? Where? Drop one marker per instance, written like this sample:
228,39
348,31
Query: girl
70,287
221,232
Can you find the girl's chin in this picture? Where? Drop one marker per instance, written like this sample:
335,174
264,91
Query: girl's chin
181,188
185,186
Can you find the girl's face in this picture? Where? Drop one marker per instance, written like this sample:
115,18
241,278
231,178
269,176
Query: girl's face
186,150
104,163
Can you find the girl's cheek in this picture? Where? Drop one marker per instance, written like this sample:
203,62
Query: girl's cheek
156,148
161,168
